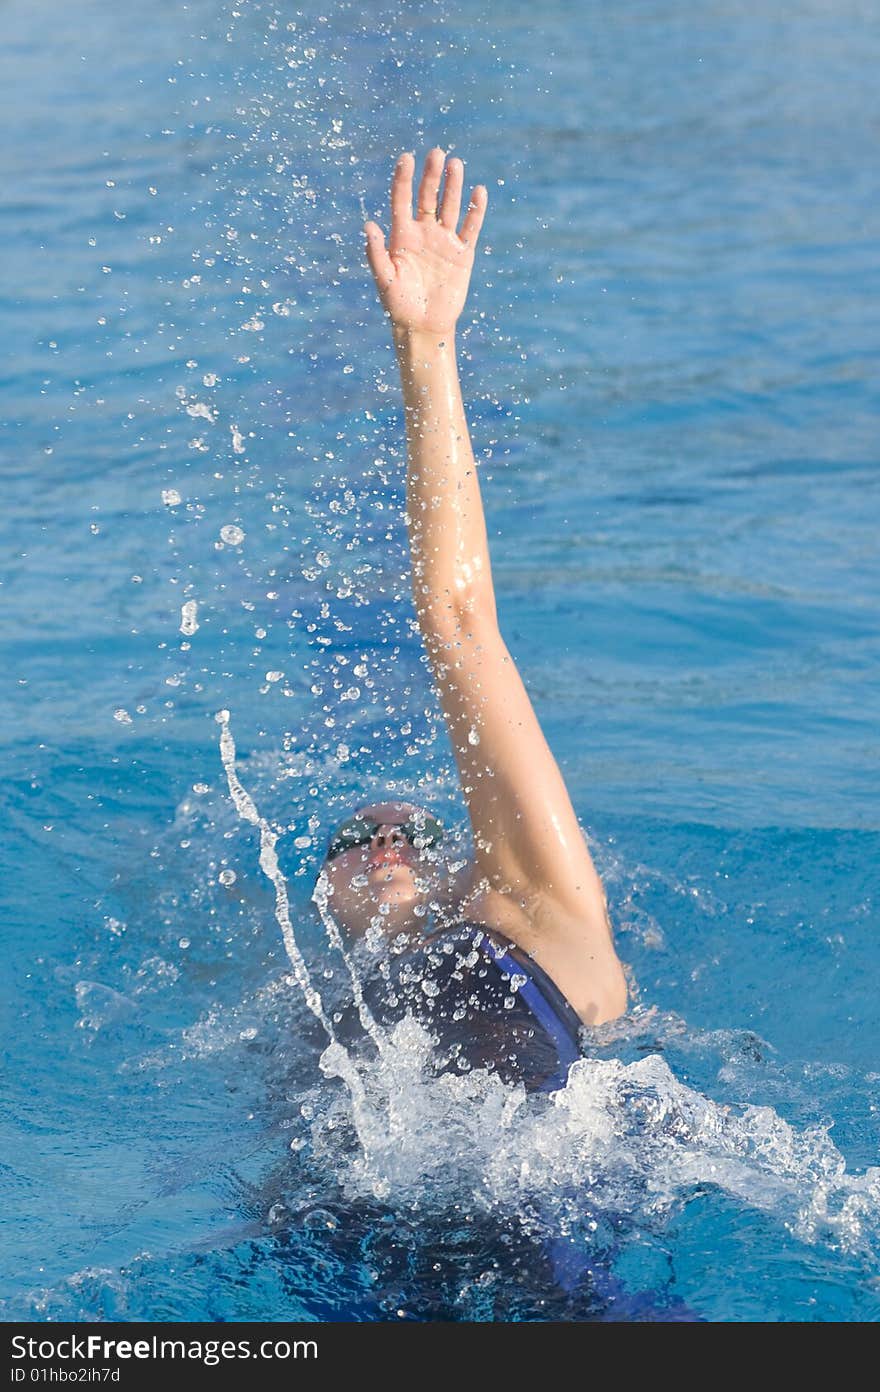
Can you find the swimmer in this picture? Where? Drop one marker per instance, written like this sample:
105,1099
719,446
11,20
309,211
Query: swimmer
524,955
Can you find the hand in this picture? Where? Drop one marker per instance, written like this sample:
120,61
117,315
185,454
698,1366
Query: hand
423,275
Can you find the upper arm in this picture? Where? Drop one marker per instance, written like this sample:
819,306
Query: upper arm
527,840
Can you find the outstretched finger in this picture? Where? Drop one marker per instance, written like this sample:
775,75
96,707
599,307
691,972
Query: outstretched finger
401,194
470,228
430,185
377,254
451,205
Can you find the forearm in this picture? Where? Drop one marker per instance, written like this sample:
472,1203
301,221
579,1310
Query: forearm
447,529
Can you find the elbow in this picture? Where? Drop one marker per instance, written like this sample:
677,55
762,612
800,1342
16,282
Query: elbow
451,617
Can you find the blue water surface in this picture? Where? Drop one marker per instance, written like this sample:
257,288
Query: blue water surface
670,362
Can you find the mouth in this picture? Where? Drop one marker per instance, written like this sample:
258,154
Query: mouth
386,860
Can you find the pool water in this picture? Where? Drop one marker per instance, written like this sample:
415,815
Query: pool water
670,360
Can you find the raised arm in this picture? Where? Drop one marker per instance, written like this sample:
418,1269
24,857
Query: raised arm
535,872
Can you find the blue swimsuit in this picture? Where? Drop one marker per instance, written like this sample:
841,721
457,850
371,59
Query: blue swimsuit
488,1004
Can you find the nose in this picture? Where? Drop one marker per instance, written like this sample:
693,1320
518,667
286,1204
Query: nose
389,834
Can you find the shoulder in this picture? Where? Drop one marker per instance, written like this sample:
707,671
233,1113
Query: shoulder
575,952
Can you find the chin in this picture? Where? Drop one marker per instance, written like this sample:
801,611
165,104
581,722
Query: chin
399,902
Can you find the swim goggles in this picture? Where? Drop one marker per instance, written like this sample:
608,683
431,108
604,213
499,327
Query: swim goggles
359,831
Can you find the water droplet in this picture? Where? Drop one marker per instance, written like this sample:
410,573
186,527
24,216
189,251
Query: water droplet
232,535
171,497
227,877
122,716
189,618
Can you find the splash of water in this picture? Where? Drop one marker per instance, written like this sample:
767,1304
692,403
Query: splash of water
376,1114
629,1142
247,810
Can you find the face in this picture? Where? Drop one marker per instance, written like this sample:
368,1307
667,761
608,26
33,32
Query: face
384,881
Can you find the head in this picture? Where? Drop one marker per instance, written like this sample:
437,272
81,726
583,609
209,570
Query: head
379,870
